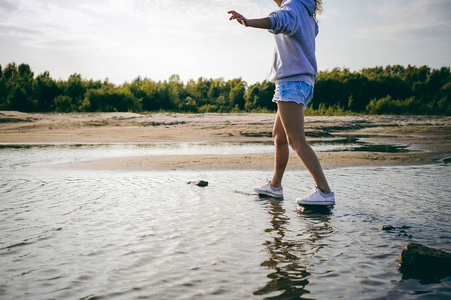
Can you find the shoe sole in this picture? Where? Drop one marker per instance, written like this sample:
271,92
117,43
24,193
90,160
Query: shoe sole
267,194
323,203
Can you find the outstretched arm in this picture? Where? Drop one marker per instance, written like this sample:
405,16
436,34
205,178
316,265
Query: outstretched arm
264,23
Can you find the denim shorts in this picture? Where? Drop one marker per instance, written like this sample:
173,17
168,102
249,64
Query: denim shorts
295,91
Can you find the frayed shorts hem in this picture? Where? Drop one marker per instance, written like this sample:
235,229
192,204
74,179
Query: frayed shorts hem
299,92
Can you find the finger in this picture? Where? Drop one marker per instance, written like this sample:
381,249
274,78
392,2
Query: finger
232,12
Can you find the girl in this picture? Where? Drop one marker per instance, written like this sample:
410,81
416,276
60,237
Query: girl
294,71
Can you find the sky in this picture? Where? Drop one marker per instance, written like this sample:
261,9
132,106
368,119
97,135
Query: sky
123,39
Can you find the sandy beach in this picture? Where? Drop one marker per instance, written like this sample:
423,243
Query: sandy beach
428,137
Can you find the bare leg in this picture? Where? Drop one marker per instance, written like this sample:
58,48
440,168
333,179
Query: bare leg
281,152
292,118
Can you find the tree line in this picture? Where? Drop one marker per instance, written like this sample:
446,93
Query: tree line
379,90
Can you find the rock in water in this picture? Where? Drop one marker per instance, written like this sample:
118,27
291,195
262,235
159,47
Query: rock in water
387,227
424,261
200,183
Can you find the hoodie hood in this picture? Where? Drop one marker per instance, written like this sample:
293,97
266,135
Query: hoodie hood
309,4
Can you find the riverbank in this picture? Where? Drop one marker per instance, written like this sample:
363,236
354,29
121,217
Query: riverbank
428,138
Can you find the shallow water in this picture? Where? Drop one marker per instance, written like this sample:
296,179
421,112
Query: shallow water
35,154
129,235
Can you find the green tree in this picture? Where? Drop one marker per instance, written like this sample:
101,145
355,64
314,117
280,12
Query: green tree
108,98
237,92
146,90
10,70
265,96
3,91
444,104
251,96
20,88
391,90
75,88
46,90
63,103
189,105
175,90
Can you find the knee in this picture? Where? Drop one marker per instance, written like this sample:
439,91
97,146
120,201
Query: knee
297,143
279,139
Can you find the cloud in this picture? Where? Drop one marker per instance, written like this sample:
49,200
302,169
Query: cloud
47,24
113,24
7,5
129,37
16,30
409,21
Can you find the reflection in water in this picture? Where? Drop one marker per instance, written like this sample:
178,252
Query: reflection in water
314,209
288,250
78,234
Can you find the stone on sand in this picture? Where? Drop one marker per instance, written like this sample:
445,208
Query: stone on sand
201,183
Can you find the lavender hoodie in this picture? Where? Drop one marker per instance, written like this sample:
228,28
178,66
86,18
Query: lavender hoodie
294,30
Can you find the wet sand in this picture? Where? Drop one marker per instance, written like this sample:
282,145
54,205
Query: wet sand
428,137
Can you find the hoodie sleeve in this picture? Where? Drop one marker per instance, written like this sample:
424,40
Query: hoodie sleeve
284,21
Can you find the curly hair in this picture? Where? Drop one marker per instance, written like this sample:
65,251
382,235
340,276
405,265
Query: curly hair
318,7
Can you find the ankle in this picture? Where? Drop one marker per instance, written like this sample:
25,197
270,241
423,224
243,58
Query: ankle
275,184
325,191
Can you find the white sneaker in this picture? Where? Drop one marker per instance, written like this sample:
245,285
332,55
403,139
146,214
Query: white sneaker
317,197
268,190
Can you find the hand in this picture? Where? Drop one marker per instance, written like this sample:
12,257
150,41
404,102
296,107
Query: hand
236,16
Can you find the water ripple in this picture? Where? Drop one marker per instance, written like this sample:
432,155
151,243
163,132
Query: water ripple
94,235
